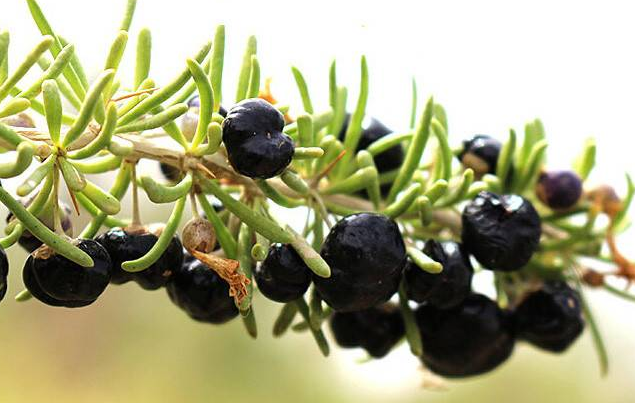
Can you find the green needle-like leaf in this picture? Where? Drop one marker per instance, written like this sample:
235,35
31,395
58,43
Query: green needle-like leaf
41,232
424,262
245,236
25,66
414,153
216,66
162,243
444,147
402,204
284,319
88,108
52,72
354,131
164,92
14,106
206,97
144,57
24,157
254,78
586,161
102,140
129,13
504,163
4,55
9,136
245,69
52,109
158,120
73,178
414,102
261,224
106,202
36,177
304,90
70,73
412,330
159,193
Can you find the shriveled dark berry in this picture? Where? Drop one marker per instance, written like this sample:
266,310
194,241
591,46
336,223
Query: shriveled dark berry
58,281
27,240
201,293
282,276
124,245
4,273
366,254
560,190
377,330
252,134
481,154
448,288
502,232
470,339
551,317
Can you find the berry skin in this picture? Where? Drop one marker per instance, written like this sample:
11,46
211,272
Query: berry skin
256,146
448,288
57,281
123,245
29,242
550,318
4,272
283,276
366,254
502,232
377,330
481,154
469,339
386,161
201,293
560,190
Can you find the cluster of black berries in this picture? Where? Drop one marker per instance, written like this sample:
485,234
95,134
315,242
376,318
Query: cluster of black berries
57,281
463,333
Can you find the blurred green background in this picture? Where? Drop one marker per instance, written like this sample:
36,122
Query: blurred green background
135,346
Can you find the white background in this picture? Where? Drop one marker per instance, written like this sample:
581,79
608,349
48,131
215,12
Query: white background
492,64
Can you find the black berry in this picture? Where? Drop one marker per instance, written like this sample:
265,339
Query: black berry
256,146
282,276
386,161
481,154
201,293
469,339
550,318
124,245
377,330
27,240
559,190
4,273
366,254
58,281
448,288
502,232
